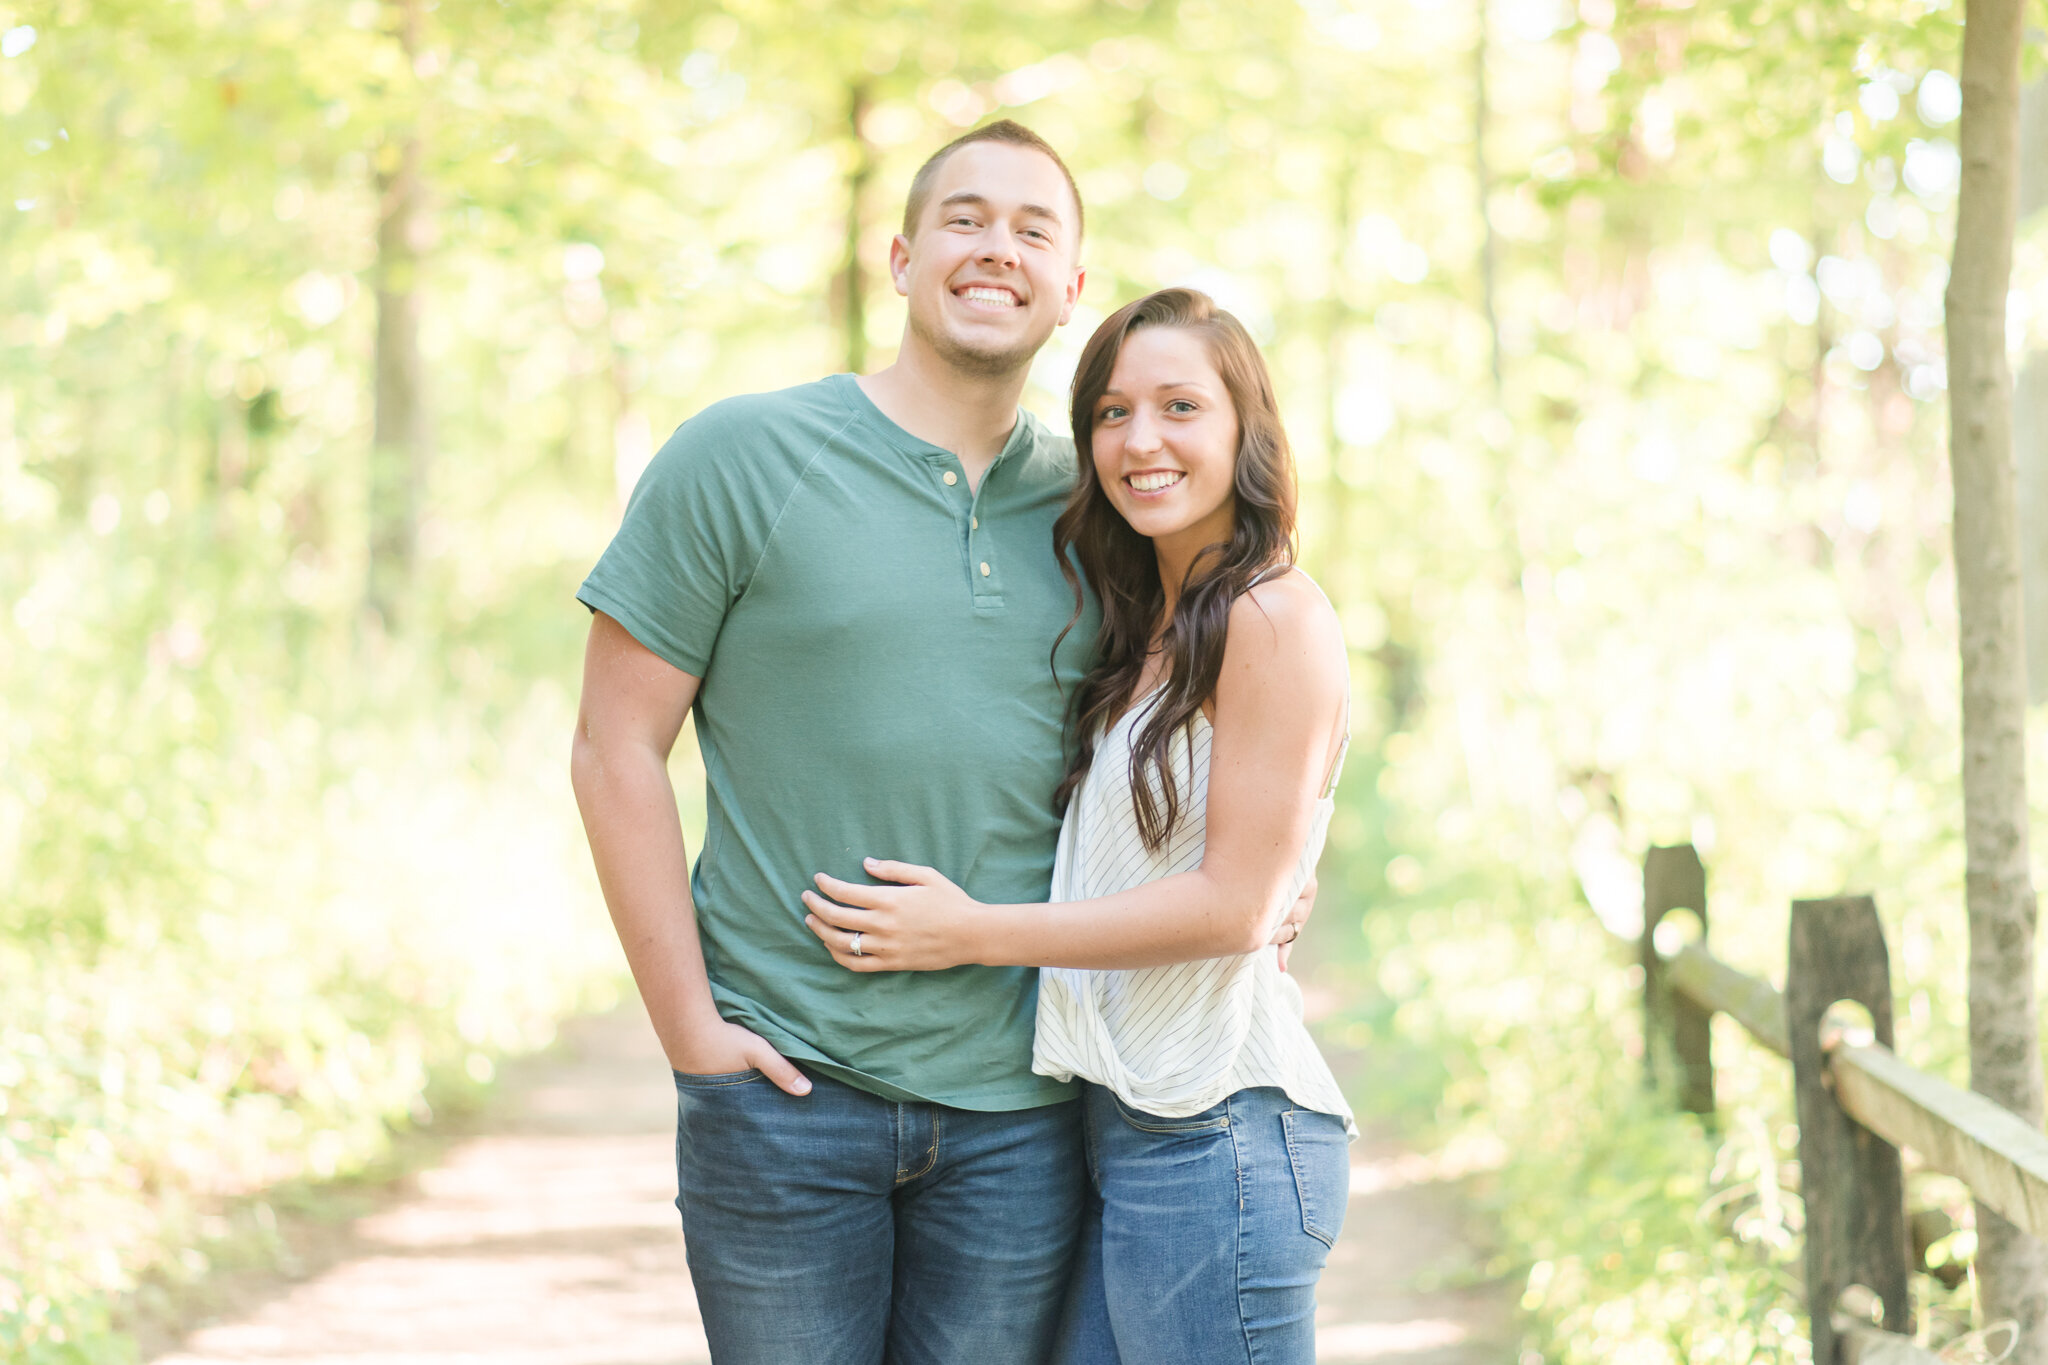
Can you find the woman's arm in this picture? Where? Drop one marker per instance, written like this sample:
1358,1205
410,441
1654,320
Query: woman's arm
1278,704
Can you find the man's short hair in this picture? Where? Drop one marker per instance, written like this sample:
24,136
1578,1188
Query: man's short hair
1002,130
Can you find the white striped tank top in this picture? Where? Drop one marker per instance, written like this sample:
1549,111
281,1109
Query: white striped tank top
1173,1040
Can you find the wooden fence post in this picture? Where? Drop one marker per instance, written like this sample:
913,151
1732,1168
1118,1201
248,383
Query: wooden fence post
1849,1178
1677,1032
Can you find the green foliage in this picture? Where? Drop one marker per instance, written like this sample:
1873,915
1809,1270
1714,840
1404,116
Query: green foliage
260,895
1679,570
1634,1233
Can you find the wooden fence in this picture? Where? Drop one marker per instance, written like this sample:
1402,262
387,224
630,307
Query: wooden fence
1858,1104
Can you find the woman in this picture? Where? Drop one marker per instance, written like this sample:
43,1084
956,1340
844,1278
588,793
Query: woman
1207,740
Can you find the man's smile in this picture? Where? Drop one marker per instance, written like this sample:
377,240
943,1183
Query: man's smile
989,295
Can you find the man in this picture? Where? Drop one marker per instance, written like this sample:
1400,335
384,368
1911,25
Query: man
851,581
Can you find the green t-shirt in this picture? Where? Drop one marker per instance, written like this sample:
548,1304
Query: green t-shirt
875,644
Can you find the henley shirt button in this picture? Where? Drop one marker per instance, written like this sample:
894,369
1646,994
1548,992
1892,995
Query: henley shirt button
984,568
951,478
974,523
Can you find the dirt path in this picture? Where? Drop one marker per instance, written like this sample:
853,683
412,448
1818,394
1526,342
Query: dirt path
549,1238
1403,1285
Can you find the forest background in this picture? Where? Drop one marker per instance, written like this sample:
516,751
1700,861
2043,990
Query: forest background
332,336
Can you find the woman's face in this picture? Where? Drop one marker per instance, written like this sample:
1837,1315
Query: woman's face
1165,439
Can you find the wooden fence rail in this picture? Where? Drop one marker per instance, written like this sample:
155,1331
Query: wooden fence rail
1858,1103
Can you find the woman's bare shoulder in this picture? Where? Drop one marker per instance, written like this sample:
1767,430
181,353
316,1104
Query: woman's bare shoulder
1285,636
1290,611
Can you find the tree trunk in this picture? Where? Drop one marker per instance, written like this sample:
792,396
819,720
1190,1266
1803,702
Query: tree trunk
2005,1057
399,442
1823,342
853,301
1333,552
1482,174
2030,411
2030,433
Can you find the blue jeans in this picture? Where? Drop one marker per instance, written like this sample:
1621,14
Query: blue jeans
1204,1236
840,1228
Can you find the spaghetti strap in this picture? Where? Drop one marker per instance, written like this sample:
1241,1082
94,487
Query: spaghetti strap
1337,763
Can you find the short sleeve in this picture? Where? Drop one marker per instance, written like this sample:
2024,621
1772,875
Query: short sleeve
693,530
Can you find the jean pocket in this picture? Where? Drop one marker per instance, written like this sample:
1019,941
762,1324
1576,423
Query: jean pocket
686,1080
1214,1118
1319,1153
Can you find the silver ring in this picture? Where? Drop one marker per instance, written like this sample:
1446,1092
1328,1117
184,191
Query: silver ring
854,946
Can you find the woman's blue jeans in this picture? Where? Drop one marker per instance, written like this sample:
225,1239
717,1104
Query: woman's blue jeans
840,1228
1204,1236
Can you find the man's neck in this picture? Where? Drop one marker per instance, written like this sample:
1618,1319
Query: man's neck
970,415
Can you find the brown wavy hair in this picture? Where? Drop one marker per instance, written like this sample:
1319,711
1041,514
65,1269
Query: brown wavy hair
1124,571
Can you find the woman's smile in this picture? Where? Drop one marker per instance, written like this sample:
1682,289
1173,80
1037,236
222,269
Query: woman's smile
1153,481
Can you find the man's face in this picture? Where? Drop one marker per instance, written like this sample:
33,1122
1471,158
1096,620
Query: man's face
994,265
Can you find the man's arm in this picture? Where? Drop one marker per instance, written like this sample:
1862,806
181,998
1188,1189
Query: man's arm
634,704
